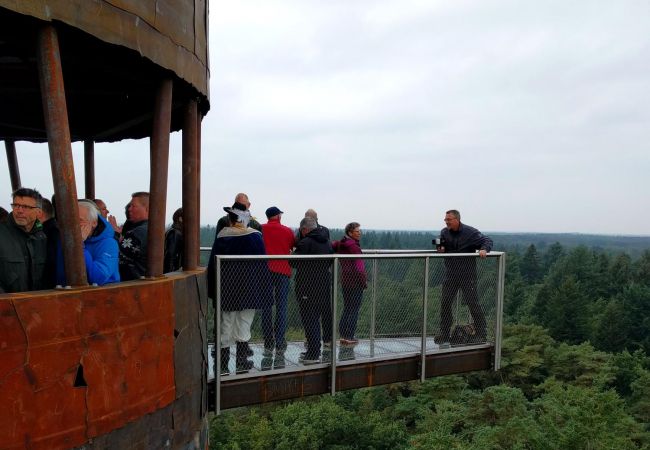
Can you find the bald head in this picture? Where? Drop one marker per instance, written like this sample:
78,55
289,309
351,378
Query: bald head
243,199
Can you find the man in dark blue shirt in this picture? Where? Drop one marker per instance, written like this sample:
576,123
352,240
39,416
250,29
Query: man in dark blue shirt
460,274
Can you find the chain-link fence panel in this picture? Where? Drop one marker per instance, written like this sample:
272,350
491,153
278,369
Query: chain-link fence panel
462,300
269,321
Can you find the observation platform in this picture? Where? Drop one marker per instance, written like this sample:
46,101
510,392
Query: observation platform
384,361
400,313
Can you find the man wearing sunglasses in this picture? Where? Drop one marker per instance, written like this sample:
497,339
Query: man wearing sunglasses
23,245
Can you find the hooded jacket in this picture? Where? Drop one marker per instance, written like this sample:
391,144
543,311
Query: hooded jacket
353,271
22,257
313,276
101,254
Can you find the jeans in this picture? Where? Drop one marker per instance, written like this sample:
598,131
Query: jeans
275,334
313,311
352,298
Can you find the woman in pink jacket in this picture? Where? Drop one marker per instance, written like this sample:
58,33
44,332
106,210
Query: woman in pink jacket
353,281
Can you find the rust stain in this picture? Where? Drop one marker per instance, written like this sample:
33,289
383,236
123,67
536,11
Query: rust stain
126,349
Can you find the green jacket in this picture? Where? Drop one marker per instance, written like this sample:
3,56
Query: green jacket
22,257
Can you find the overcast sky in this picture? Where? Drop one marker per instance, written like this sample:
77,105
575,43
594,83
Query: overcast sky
526,116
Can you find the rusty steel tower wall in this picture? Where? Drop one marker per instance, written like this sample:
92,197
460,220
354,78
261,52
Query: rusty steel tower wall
123,365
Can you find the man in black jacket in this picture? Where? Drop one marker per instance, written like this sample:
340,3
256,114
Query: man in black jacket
23,245
313,289
460,274
133,246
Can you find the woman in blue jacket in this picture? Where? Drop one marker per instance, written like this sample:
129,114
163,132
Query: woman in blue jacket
100,248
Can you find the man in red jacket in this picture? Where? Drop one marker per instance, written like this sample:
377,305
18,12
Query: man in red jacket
278,240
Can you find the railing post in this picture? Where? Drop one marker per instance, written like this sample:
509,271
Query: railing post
373,308
499,323
217,337
424,320
335,282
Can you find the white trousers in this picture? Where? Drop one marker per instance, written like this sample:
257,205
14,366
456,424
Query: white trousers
236,326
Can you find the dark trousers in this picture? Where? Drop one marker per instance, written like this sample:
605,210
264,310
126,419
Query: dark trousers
352,298
315,310
468,287
274,333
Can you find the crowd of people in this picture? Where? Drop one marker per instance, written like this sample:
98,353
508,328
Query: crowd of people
262,286
31,254
31,258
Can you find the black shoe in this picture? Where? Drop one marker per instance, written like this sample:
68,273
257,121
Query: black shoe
225,360
244,366
242,363
249,350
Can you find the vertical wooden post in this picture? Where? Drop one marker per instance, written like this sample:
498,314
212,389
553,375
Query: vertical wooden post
12,163
89,168
158,184
55,113
190,192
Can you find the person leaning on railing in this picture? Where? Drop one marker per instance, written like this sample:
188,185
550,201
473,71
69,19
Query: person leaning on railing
353,282
460,274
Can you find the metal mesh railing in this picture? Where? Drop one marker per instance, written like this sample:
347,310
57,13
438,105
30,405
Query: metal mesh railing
327,313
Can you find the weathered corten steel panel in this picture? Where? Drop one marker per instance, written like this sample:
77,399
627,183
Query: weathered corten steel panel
171,33
78,364
249,391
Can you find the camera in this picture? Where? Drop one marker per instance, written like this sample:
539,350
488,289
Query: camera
438,242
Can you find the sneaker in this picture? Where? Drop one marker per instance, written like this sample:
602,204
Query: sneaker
244,366
279,362
268,352
442,341
307,361
280,349
267,363
346,354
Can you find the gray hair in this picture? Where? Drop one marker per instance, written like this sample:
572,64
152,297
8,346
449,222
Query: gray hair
92,212
454,213
308,223
311,213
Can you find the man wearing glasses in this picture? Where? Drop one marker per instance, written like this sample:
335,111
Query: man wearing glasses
460,275
23,245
